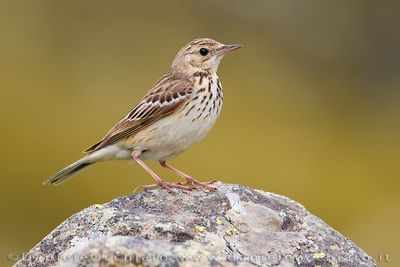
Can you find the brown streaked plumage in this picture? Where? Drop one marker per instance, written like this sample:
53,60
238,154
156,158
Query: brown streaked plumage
176,113
159,102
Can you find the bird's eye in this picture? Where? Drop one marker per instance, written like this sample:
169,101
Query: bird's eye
203,51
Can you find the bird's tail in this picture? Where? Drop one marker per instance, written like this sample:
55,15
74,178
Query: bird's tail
69,171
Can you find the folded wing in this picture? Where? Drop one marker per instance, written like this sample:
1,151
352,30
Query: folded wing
166,97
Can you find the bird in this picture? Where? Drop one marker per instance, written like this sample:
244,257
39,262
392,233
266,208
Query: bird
176,113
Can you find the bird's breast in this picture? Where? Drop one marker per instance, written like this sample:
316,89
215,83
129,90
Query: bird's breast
206,100
174,134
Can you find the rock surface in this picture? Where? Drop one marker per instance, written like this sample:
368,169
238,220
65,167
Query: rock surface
234,226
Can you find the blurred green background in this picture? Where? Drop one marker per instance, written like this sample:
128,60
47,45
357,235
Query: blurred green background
311,106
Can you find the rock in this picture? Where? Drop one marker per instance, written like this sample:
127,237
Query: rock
234,226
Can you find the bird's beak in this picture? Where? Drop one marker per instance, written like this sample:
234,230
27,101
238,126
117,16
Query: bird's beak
227,48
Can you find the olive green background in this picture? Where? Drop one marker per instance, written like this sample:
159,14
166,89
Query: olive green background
311,106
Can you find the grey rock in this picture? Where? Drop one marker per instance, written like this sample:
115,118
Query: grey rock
234,226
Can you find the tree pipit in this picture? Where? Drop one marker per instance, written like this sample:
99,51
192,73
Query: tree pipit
177,112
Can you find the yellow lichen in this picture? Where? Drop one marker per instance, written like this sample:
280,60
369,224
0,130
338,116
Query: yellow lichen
319,255
200,229
231,230
218,221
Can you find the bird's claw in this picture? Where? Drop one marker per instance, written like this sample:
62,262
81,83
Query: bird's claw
188,185
194,182
167,185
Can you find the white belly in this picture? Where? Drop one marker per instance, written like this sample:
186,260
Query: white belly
172,136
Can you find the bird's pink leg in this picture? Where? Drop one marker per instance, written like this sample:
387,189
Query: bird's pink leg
189,179
160,182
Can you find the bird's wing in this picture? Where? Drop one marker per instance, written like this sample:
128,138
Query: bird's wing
166,96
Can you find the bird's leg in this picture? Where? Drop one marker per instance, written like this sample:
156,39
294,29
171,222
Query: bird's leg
189,180
160,182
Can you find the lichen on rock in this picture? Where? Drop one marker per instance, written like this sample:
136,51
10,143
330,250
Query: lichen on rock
233,226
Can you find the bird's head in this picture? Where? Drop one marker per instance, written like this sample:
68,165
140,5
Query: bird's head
201,54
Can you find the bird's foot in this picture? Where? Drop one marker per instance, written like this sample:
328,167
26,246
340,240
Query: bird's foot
188,185
192,181
167,185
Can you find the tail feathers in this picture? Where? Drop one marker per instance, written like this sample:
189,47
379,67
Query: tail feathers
68,172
